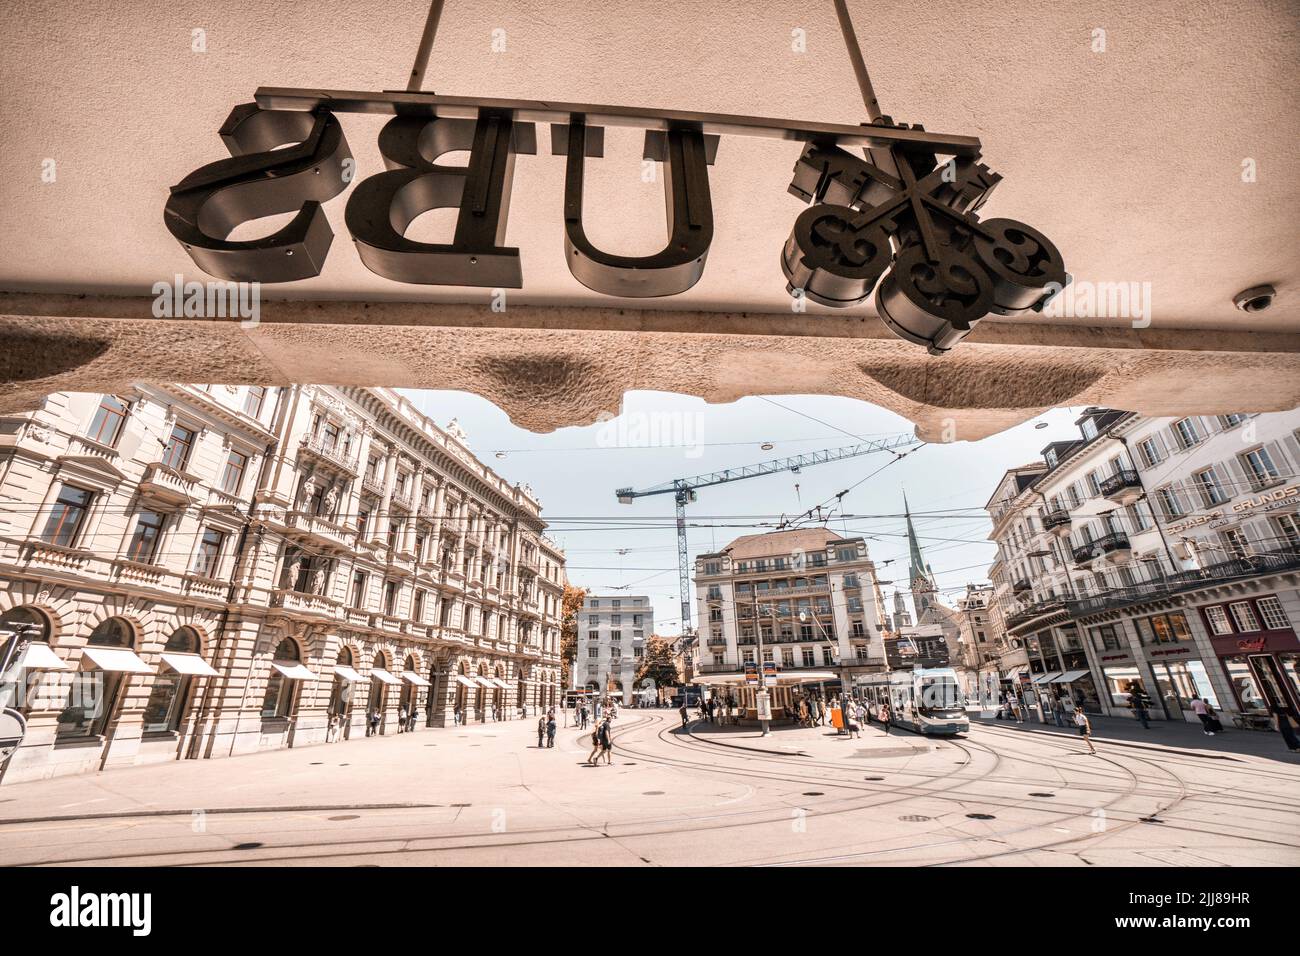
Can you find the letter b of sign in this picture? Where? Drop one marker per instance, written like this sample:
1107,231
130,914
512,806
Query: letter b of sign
382,207
261,180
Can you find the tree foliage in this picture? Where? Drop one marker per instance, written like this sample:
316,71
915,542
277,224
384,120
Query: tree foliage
571,603
657,663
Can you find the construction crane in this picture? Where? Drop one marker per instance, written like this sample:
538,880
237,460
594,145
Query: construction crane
683,492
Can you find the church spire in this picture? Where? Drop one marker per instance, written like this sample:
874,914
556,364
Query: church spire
920,576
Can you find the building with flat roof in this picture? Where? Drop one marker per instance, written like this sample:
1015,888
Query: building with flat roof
612,630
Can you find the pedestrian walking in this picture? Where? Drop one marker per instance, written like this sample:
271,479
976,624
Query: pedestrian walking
1284,727
686,714
1084,725
541,732
401,719
551,728
1138,700
606,742
459,716
333,733
594,757
373,728
1201,708
885,717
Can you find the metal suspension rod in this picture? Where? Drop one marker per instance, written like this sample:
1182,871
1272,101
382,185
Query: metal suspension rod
859,65
416,79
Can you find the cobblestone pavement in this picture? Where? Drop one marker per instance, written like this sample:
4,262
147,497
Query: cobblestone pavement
486,795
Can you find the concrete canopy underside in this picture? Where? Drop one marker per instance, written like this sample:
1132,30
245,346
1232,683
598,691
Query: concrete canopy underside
552,367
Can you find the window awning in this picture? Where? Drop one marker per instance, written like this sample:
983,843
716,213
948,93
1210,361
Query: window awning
38,656
384,676
461,678
414,678
117,660
484,682
1045,678
295,671
1069,676
347,673
498,682
190,664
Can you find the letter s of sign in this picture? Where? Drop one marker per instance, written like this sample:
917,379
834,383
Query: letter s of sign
382,207
261,180
685,155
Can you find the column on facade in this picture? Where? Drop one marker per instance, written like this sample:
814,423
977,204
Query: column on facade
408,532
386,506
353,507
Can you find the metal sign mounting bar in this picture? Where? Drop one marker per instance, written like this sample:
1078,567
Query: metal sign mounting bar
392,102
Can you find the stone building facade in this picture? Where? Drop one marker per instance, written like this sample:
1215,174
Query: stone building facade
1159,555
211,570
612,630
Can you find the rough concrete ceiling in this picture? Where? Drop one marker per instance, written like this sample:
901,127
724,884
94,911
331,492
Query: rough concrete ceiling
1129,159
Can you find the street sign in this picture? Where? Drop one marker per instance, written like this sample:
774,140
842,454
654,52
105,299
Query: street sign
751,672
13,727
769,668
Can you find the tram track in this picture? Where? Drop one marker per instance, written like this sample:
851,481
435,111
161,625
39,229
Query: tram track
985,760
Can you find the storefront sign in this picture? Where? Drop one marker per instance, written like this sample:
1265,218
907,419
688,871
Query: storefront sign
1252,644
1267,501
900,222
1117,657
1171,651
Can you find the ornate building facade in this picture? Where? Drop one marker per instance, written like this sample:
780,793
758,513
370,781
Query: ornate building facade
209,570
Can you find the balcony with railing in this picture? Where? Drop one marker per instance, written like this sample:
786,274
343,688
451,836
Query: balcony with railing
1057,522
869,660
56,556
1123,487
1023,586
372,483
329,452
318,532
1115,547
1085,554
300,602
1284,559
167,485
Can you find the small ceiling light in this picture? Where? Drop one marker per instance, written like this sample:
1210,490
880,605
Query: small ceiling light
767,446
1255,299
1040,425
501,454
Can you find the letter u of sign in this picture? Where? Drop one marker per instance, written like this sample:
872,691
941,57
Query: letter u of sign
382,207
261,180
689,210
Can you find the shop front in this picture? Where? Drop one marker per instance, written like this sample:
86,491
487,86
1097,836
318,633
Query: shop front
1060,674
1259,652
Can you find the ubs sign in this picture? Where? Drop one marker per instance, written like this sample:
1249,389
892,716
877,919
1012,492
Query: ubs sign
899,220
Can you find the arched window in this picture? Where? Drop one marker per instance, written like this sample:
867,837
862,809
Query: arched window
340,704
171,688
93,693
19,623
480,703
278,701
409,690
378,689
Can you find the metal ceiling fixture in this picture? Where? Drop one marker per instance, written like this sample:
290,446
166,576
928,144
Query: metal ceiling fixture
899,222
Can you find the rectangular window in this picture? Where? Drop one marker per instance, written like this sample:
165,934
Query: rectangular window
1207,483
67,516
106,426
144,542
358,589
1231,421
1149,452
1244,615
809,659
1169,502
1218,619
1187,433
390,598
209,554
1270,609
1234,543
1259,465
1288,529
232,478
253,399
417,613
177,453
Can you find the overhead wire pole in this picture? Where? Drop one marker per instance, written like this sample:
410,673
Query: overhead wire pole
416,80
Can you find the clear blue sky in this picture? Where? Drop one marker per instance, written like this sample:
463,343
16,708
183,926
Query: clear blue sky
660,436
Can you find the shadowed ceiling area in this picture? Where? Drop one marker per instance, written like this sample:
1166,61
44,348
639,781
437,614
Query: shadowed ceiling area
1130,159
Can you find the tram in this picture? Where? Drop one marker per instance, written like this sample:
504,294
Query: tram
924,699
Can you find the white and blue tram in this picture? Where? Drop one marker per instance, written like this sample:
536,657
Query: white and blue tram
927,700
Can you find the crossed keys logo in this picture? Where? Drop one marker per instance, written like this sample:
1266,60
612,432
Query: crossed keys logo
945,269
